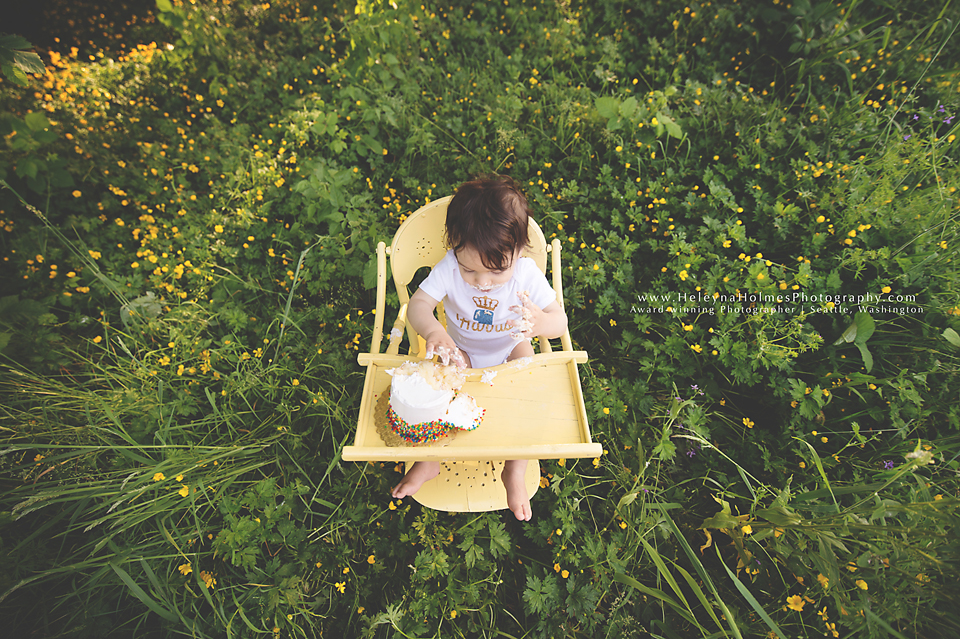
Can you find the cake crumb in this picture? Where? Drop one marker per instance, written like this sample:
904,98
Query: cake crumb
520,363
488,377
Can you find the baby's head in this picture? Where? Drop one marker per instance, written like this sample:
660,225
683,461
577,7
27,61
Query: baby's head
490,216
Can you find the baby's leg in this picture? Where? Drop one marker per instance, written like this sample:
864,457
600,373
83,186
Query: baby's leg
421,472
515,470
523,349
518,501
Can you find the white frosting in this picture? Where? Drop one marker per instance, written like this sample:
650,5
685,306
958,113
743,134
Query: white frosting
489,289
488,376
464,412
524,324
415,401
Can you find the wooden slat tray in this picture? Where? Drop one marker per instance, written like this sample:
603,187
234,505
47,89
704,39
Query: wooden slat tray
534,410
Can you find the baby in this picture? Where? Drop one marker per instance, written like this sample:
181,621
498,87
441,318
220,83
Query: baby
495,302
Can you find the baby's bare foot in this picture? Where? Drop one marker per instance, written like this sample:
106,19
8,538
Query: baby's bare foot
421,472
518,501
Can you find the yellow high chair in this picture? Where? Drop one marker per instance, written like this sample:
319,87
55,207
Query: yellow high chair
534,408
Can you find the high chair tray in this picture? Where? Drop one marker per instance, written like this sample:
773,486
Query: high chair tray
534,410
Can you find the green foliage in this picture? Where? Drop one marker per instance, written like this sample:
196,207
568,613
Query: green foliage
17,59
758,212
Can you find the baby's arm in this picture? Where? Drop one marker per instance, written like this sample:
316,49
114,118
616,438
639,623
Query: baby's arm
549,321
421,318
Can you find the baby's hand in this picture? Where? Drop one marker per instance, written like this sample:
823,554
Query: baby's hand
439,343
530,315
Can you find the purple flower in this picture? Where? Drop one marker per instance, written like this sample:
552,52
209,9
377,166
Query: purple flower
887,465
691,453
906,137
916,116
694,386
949,120
940,109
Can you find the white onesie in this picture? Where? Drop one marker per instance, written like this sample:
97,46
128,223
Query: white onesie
477,321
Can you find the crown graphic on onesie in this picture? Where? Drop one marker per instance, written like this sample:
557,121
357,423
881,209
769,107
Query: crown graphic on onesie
425,402
486,303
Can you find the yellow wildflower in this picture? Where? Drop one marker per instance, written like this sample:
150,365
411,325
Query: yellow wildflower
208,579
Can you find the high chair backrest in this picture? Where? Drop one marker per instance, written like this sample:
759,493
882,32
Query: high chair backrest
420,242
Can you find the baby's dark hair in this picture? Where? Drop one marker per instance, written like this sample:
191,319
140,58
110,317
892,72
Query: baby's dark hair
491,215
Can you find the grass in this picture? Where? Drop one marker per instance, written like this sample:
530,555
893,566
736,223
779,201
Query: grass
191,198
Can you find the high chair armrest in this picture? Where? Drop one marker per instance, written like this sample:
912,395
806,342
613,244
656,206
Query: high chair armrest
555,271
381,298
396,334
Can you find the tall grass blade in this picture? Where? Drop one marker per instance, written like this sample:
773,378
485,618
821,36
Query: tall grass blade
872,616
143,596
657,594
750,598
823,474
701,572
667,576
